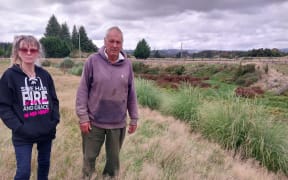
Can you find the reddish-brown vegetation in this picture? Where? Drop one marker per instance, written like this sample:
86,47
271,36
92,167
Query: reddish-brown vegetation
248,92
174,81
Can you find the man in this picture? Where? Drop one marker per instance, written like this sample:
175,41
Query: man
105,93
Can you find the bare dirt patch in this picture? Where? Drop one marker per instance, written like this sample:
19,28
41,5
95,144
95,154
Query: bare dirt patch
271,80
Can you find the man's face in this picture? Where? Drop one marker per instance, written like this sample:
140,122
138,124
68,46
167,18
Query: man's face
113,43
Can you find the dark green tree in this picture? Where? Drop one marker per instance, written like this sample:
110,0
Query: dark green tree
86,44
178,55
1,52
53,28
6,49
65,35
157,54
75,38
275,52
142,50
55,47
264,53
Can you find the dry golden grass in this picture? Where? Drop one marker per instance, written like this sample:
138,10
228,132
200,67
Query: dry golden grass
162,148
191,156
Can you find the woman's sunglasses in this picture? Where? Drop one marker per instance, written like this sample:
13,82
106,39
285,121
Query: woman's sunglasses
26,50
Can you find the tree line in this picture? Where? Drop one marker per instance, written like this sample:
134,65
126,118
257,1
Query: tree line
219,54
58,42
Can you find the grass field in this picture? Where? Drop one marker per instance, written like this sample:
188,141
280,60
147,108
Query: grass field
162,148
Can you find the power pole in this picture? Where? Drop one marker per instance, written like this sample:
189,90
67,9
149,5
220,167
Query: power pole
181,51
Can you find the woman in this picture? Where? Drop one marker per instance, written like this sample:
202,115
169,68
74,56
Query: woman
29,107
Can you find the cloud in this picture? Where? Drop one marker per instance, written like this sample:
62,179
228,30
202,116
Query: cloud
217,24
151,8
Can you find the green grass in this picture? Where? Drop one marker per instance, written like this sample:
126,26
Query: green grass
148,94
183,104
77,69
238,124
204,70
220,90
274,101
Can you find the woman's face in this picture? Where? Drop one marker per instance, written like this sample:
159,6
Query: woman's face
28,52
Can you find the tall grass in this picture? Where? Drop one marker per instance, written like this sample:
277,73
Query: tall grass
227,122
183,104
236,124
269,145
245,127
148,94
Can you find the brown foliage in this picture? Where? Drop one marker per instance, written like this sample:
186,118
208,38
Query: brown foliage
174,81
248,92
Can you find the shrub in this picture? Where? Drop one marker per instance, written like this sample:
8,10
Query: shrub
247,79
139,67
77,69
154,70
46,63
266,68
176,69
208,70
66,63
243,69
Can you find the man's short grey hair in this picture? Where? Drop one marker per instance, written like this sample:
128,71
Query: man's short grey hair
114,28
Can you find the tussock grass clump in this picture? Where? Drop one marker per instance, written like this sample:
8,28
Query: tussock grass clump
66,63
139,67
245,127
228,122
243,69
183,104
247,79
246,75
204,70
77,69
46,63
147,94
269,145
176,69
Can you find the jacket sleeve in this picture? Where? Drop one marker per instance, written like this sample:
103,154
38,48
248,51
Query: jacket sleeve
7,113
55,101
83,92
132,99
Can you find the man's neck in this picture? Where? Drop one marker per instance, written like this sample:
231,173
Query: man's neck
112,59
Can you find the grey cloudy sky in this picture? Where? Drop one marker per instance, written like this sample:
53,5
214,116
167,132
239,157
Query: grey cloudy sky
205,24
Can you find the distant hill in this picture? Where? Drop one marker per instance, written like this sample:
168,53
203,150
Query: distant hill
191,53
285,50
168,52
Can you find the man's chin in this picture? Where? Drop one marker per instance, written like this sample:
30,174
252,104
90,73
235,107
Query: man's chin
114,53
